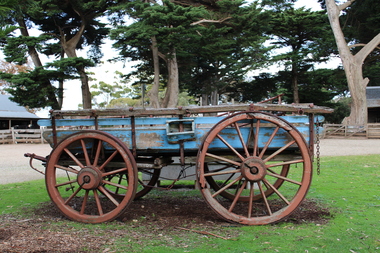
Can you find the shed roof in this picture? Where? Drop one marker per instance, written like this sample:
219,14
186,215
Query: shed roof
373,92
11,110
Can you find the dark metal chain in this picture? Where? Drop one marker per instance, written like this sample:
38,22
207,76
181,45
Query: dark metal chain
318,153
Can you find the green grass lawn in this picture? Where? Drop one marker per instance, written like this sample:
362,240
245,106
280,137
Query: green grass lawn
348,186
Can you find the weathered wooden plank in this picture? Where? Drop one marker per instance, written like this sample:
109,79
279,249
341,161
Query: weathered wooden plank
150,112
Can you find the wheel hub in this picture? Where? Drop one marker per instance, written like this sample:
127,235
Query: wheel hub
89,178
253,169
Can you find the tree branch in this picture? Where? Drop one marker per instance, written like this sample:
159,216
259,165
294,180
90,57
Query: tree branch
345,5
162,56
360,45
210,21
368,48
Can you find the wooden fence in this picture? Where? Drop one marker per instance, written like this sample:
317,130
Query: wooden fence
21,136
370,131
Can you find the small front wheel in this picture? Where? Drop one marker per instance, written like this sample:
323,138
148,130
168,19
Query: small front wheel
78,175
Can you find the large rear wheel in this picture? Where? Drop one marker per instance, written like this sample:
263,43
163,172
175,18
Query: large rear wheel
254,168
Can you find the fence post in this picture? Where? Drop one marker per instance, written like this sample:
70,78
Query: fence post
41,132
13,135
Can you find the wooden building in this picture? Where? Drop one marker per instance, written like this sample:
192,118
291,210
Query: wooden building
13,115
373,104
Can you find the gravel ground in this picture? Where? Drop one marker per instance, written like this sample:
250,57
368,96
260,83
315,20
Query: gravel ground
14,166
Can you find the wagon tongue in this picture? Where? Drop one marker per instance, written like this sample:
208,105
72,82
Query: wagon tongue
34,156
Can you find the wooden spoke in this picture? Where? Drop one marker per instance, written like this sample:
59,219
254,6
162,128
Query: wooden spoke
109,196
269,142
73,195
116,185
264,198
223,159
97,153
221,173
109,159
69,169
269,165
66,183
279,151
221,168
251,194
256,143
284,178
84,203
114,172
241,139
98,203
269,185
227,186
74,158
237,196
230,147
84,148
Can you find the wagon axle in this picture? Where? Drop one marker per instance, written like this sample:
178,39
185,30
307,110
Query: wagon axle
253,169
89,178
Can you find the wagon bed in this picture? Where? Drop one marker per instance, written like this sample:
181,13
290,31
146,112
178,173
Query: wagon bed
252,166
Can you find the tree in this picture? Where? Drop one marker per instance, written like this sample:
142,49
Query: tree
74,24
157,38
108,92
66,26
229,46
5,29
306,35
15,15
352,63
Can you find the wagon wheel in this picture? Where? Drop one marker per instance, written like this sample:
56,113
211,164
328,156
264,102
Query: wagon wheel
265,167
78,173
143,188
216,185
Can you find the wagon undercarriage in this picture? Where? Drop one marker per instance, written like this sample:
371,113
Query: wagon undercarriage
252,167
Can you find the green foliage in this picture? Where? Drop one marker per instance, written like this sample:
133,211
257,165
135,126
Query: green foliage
258,89
26,88
211,55
342,109
318,86
67,67
361,21
16,48
112,96
307,33
63,19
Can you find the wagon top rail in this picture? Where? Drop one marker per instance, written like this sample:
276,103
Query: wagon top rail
189,110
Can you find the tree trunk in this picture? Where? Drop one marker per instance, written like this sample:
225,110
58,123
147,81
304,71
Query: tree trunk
70,49
172,89
352,65
153,93
204,100
296,97
37,63
214,97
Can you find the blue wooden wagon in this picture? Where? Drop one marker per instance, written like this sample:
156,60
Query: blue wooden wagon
252,167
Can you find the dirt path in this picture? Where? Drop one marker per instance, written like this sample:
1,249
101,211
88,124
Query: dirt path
14,167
